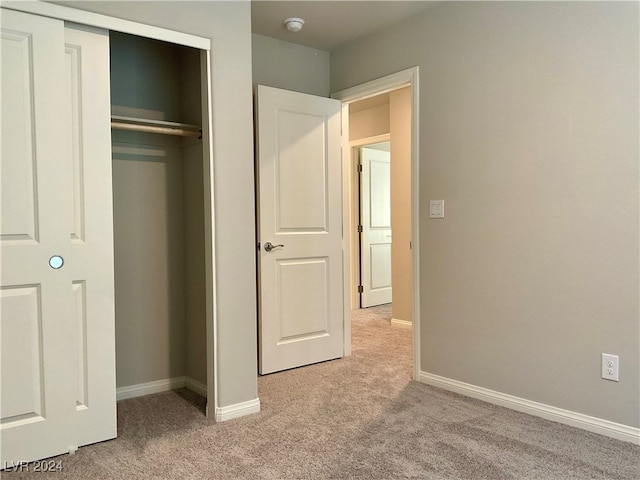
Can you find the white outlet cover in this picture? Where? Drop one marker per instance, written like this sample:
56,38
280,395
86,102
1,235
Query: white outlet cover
436,208
610,367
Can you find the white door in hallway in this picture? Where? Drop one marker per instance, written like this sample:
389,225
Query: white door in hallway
57,314
299,229
375,218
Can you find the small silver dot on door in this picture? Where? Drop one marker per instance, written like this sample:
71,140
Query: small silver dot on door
56,262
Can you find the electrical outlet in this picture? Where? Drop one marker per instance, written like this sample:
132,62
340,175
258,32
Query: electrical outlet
610,367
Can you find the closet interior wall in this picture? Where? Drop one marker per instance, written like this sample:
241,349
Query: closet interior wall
158,215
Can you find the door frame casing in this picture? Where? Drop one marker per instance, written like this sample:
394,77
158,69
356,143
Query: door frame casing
388,83
82,17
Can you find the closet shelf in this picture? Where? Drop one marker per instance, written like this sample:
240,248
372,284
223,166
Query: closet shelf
155,126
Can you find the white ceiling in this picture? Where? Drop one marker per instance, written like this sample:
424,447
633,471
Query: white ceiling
330,24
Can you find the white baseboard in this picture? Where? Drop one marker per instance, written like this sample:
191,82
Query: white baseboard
195,386
148,388
401,323
566,417
237,410
159,386
222,413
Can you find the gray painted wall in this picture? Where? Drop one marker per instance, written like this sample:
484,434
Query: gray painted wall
149,259
286,65
529,132
401,255
194,247
369,122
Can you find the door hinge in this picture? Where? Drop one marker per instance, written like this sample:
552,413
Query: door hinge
359,228
360,289
360,167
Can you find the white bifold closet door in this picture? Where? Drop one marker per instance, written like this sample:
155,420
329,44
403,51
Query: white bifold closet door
57,300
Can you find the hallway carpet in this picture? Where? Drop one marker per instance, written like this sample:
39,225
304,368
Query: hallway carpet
360,417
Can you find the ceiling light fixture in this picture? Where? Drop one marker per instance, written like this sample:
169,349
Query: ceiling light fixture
294,24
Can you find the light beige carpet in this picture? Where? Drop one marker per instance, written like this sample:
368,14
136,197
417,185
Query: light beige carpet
358,417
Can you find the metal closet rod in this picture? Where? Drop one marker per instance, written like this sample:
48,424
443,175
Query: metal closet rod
155,126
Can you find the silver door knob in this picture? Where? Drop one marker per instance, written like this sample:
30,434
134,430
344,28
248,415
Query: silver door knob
268,246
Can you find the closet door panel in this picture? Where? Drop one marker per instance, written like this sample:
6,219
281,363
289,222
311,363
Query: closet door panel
58,388
37,327
91,234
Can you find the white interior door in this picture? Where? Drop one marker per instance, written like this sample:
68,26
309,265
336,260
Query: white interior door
57,317
375,217
301,319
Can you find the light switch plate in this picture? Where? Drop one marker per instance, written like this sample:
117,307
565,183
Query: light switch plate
436,208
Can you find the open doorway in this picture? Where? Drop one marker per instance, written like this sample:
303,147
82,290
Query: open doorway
380,146
375,112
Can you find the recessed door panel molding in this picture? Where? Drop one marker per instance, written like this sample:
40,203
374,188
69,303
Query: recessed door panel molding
375,215
303,312
74,112
380,194
301,172
79,293
22,355
380,270
18,186
301,318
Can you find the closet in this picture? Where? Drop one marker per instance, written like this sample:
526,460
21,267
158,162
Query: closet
105,224
158,198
